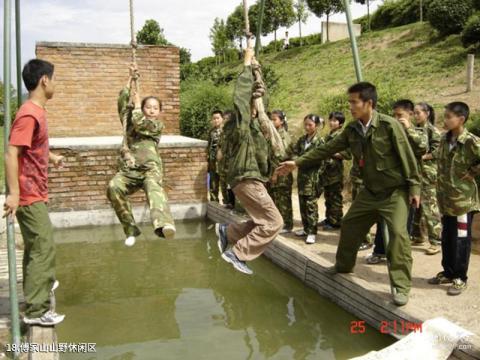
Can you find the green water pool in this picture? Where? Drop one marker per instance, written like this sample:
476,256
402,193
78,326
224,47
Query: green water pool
179,300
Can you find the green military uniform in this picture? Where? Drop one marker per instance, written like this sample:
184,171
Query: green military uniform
389,171
427,223
215,181
143,136
357,185
458,196
222,171
281,191
332,181
309,187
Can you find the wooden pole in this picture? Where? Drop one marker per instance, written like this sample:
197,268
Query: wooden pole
470,71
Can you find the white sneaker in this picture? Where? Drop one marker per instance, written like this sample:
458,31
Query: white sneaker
311,239
50,318
169,231
55,286
300,233
130,241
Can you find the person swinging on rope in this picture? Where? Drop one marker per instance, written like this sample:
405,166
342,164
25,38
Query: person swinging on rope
140,165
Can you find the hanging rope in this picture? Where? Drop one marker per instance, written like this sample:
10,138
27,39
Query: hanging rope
259,90
125,150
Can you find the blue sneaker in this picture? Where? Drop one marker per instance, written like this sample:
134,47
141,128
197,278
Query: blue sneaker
221,230
230,257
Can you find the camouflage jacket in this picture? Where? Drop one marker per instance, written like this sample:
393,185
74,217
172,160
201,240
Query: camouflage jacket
248,152
418,139
284,181
143,135
308,179
384,156
456,195
213,141
333,172
429,167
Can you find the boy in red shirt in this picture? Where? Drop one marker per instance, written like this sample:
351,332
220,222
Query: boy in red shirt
27,177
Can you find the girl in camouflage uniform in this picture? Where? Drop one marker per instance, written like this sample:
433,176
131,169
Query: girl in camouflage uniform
308,178
280,189
145,171
427,223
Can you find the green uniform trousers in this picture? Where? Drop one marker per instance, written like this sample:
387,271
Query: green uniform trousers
38,257
427,222
309,213
367,209
126,183
334,203
282,197
217,184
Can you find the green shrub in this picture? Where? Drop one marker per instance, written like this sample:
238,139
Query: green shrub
197,101
295,42
471,32
383,17
476,4
449,17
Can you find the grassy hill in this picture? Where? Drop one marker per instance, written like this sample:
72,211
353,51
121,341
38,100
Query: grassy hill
408,61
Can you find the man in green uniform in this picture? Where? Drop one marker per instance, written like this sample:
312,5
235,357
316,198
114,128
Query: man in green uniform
391,183
215,184
249,169
145,171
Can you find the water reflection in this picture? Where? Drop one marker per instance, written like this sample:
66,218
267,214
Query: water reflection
178,300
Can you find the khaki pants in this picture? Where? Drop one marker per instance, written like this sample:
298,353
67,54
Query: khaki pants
250,238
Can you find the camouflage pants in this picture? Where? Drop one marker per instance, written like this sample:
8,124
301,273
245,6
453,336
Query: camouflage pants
282,197
309,213
126,183
334,203
216,185
427,223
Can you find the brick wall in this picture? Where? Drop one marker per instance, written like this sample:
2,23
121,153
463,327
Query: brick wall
82,183
90,76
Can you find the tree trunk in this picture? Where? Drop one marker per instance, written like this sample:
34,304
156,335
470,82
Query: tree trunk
275,39
300,30
328,22
421,11
368,15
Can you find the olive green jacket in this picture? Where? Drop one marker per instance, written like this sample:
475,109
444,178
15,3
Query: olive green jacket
384,156
333,172
457,195
249,153
284,181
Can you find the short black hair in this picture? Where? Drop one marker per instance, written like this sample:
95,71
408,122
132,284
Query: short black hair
366,91
144,101
315,118
338,115
34,70
459,108
404,104
220,112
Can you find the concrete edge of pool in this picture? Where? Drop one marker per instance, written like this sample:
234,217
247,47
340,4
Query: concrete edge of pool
352,293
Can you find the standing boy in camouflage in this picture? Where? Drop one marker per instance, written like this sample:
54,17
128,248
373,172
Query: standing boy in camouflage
391,183
214,135
332,176
458,164
249,169
143,135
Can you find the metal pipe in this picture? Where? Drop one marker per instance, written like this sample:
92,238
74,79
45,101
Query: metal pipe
259,27
12,261
18,47
353,41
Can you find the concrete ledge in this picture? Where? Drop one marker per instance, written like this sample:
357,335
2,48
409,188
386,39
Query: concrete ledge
45,337
114,142
354,294
66,219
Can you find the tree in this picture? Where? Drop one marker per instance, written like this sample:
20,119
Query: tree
325,7
219,38
185,56
363,2
278,13
152,34
302,15
236,25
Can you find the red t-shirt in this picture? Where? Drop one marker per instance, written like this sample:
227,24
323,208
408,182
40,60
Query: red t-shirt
30,130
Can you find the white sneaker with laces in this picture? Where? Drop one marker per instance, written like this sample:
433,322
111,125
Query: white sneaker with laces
300,233
130,241
311,239
50,318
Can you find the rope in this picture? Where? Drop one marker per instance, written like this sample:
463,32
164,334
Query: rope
125,151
